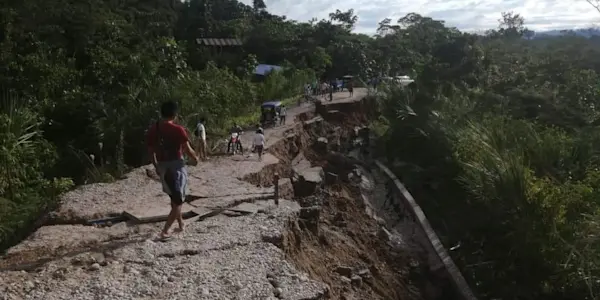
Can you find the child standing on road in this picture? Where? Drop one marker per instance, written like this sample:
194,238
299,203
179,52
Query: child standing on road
200,133
259,143
282,114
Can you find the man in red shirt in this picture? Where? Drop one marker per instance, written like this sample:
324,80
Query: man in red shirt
166,143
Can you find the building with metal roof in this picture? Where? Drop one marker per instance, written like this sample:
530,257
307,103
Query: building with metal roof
219,42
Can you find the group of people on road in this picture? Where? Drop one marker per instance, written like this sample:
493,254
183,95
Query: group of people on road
167,142
258,142
325,89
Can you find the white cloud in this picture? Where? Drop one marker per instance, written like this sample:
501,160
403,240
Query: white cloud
469,15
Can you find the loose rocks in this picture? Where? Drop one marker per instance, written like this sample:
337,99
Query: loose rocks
310,213
309,218
286,189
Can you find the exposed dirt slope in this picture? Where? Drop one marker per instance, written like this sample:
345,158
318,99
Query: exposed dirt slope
348,254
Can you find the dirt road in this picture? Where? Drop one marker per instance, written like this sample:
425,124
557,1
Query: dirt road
272,135
223,257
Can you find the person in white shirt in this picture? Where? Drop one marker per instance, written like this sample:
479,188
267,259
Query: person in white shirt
201,136
259,143
282,114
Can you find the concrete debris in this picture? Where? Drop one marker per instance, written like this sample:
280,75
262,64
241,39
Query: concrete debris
307,182
286,189
300,163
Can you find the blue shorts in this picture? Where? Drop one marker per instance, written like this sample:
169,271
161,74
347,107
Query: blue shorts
173,176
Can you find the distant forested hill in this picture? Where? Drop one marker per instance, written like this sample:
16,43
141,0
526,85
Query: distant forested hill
585,32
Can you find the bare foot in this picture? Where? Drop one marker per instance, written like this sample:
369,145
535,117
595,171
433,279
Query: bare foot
180,229
164,235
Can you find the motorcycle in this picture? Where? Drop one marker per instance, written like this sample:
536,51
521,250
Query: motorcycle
235,144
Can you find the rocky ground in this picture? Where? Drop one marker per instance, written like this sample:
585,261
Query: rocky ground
323,246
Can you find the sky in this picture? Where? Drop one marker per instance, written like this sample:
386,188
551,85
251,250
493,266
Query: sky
466,15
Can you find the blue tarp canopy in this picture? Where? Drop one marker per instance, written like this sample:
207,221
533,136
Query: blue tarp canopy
271,103
263,69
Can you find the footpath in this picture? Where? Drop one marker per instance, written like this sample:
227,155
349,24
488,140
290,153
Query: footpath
232,255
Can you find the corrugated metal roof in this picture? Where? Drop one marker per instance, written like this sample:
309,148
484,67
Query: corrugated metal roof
219,42
263,69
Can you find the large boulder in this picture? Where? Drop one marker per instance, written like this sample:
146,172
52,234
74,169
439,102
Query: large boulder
300,163
306,182
340,165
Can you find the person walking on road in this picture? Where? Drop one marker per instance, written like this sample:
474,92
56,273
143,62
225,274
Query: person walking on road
200,133
282,114
166,142
350,88
259,143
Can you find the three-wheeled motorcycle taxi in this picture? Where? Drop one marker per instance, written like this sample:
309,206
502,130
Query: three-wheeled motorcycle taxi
269,113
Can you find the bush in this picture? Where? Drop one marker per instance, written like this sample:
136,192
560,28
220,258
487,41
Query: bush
25,193
527,189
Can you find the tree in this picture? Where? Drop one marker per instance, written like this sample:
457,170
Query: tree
259,5
595,4
347,18
505,126
512,25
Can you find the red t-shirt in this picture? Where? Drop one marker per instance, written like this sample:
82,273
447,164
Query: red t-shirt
168,141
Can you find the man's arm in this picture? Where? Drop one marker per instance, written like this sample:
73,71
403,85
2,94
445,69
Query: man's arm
187,147
190,151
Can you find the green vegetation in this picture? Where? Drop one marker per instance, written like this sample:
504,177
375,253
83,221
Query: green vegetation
86,78
498,138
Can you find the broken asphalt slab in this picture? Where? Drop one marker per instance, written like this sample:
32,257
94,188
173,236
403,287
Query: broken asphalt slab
220,258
